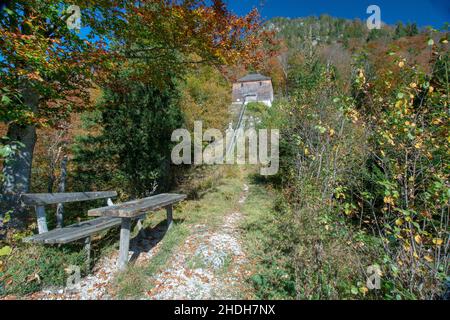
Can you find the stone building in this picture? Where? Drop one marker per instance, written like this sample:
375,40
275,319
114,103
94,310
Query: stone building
254,87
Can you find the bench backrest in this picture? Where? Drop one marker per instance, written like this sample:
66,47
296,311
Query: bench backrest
41,199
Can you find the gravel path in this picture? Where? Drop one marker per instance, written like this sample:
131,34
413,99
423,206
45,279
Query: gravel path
209,265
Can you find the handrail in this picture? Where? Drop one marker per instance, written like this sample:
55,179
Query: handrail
238,126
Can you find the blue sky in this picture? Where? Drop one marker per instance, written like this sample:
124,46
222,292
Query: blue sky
424,12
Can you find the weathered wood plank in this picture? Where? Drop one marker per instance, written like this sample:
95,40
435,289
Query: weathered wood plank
75,232
136,208
87,248
169,210
34,199
124,243
41,219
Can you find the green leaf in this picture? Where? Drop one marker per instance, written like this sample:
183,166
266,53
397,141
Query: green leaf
6,99
321,129
5,151
8,11
430,42
5,251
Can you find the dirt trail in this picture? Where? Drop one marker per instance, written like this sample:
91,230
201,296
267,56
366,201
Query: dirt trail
211,264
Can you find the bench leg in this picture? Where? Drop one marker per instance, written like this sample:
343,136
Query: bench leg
169,210
59,215
140,227
87,248
124,243
41,219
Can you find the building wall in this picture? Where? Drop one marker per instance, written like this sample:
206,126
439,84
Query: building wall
263,91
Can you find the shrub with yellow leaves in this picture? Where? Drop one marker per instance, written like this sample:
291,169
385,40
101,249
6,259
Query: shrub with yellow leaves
409,169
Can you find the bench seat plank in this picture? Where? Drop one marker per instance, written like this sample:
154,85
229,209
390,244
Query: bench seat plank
136,208
75,232
40,199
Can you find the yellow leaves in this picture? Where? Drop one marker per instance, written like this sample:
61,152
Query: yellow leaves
438,242
34,76
399,236
363,290
437,121
418,239
430,89
413,85
399,222
418,145
401,64
332,132
389,200
406,247
429,258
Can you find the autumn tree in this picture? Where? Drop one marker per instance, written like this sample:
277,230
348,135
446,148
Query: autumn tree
47,68
46,71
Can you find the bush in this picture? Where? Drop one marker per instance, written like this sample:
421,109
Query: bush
404,197
30,268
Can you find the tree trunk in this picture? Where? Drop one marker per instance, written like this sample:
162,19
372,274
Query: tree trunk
61,188
17,167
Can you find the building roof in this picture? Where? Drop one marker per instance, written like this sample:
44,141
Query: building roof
253,77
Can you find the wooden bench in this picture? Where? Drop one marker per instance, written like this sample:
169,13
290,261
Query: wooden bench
62,235
108,217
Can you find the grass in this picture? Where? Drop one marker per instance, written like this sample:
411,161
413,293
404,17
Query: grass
271,277
196,262
227,261
304,252
30,267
